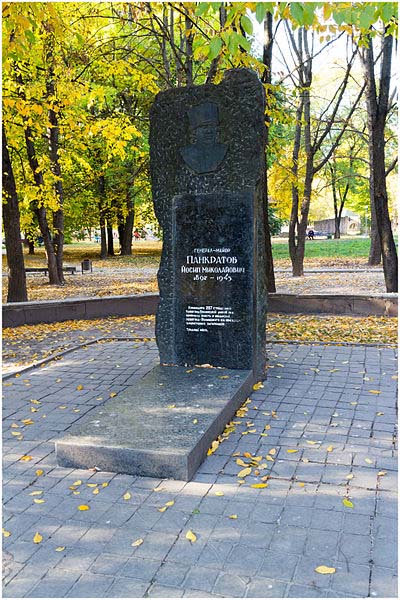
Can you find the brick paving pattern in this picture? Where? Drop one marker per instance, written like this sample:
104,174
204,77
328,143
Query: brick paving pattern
316,400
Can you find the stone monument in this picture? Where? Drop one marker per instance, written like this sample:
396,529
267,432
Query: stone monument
208,178
208,181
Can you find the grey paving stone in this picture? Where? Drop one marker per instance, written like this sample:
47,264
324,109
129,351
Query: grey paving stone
171,574
320,544
108,564
140,568
289,539
126,587
278,565
231,585
384,583
351,579
243,560
91,586
385,552
55,584
161,591
262,587
201,578
107,531
304,591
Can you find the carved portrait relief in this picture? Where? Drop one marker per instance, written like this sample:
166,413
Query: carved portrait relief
205,153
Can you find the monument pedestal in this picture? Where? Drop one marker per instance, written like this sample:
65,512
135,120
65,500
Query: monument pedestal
207,163
148,430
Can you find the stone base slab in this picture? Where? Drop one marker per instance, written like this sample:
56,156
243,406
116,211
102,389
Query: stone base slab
149,429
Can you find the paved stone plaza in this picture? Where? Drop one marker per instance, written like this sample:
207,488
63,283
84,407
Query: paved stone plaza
332,437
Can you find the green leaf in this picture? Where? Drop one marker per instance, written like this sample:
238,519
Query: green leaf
246,24
244,42
297,12
388,10
202,8
30,36
260,11
215,47
309,12
367,16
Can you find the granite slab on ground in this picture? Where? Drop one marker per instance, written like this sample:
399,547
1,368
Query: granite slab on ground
162,426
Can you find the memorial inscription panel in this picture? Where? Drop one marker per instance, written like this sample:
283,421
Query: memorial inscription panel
213,278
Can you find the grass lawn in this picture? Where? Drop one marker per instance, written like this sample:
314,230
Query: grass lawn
147,254
351,247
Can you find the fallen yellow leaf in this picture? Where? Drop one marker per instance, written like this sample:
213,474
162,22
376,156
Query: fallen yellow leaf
330,449
137,542
79,387
374,391
92,485
369,461
163,509
272,452
171,406
348,503
127,496
244,472
26,458
60,548
191,536
39,472
170,503
83,507
259,485
6,533
213,447
195,421
96,491
37,538
290,451
78,482
380,414
112,394
323,570
219,493
38,501
258,386
349,476
233,516
27,421
37,493
382,473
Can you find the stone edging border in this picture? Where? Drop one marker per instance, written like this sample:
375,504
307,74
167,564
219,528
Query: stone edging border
50,311
59,355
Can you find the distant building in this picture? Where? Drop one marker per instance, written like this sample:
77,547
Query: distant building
350,224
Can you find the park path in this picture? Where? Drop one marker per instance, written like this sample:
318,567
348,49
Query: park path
326,419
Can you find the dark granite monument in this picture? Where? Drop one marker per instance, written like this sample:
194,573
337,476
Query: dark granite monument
208,177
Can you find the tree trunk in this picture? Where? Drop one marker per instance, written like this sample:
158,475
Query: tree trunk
31,246
11,220
377,110
126,241
267,60
110,241
103,238
375,254
53,137
102,219
39,211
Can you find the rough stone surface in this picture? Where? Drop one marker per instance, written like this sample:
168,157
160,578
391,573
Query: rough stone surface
196,197
149,430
